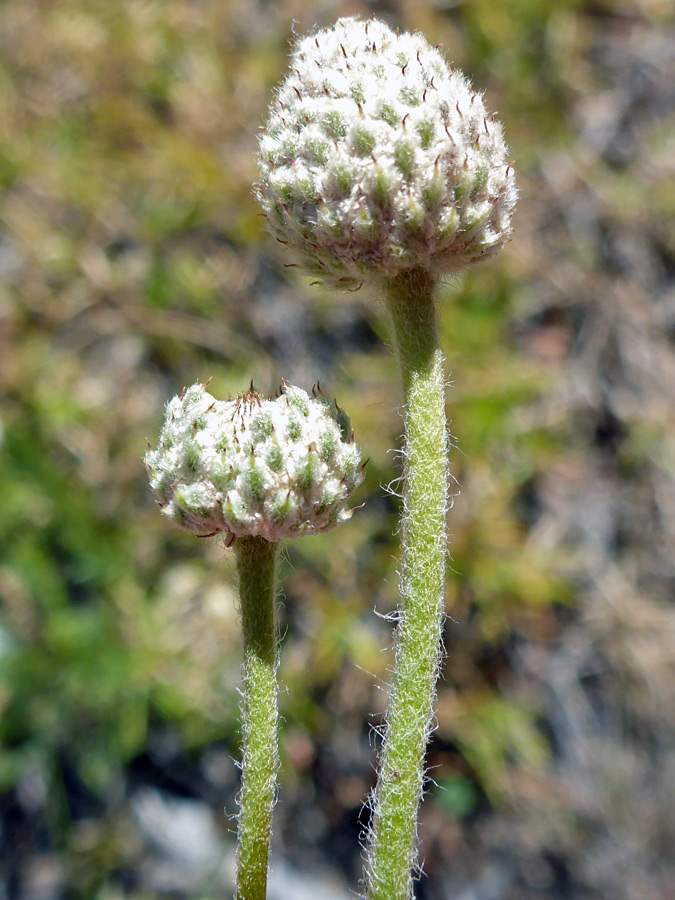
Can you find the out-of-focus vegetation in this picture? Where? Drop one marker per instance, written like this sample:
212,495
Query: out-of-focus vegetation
133,261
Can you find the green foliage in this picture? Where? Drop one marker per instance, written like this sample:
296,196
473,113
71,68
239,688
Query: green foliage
456,796
497,735
70,677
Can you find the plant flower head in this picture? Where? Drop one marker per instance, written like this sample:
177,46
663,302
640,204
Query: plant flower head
252,467
378,158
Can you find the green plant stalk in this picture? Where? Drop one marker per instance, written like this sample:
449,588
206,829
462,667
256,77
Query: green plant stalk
392,854
256,565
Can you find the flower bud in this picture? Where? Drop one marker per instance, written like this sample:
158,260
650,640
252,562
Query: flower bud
378,157
254,467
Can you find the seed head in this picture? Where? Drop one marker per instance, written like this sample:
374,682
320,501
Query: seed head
254,467
377,158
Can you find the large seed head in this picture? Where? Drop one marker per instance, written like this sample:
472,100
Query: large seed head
253,467
377,158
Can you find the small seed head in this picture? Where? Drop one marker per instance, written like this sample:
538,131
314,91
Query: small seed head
254,467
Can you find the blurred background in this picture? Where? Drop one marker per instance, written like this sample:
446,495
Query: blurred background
133,262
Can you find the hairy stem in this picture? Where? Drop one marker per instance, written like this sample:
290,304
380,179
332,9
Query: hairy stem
392,856
256,565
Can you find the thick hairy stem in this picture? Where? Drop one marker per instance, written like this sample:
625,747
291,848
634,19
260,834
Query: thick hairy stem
256,564
392,855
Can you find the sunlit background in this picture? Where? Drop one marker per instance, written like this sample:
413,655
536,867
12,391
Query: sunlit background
133,262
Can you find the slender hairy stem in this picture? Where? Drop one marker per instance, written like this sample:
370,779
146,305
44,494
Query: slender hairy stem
256,564
411,306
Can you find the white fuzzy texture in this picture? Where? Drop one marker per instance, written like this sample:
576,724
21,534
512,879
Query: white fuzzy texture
253,467
377,157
